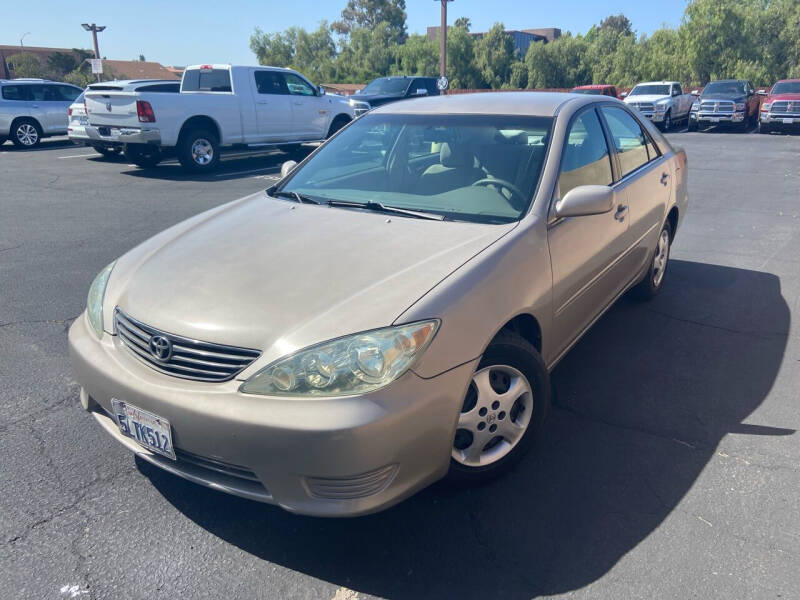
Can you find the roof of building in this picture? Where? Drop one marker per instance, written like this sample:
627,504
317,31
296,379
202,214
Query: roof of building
130,69
543,104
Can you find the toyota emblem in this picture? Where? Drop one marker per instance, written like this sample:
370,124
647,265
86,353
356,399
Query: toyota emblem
160,348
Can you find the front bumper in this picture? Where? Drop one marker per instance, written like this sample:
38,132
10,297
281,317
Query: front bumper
710,117
123,135
780,118
325,457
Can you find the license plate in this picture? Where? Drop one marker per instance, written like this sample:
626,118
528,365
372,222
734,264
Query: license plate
149,430
788,121
715,119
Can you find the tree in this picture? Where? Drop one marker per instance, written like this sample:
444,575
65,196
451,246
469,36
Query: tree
619,24
369,53
142,58
26,64
275,49
417,56
461,67
370,13
463,23
494,54
60,63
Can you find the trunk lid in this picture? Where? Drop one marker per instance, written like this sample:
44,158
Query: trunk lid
112,108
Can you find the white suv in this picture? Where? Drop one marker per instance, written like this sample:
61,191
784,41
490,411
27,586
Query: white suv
32,109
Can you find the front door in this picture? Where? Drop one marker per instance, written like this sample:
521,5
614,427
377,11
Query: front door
309,109
586,252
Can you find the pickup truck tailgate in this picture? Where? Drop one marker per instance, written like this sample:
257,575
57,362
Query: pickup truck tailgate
114,109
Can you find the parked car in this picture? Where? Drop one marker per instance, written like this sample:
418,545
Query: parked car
731,101
600,89
33,109
384,90
77,110
219,106
663,102
781,107
361,329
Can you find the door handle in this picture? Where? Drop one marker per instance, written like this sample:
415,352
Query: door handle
298,103
664,178
622,210
261,102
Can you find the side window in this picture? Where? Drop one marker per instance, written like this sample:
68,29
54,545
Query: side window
416,86
629,139
433,90
298,86
270,82
16,92
679,89
585,160
68,93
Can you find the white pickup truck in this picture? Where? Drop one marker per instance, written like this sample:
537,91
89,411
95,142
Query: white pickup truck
219,106
663,102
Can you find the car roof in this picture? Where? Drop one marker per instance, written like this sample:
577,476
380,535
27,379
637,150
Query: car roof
539,104
788,81
593,86
32,80
728,81
655,83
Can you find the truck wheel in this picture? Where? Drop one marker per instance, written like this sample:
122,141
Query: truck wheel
667,125
26,133
763,128
339,122
691,125
145,157
2,139
198,151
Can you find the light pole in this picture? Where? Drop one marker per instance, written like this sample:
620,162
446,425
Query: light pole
443,47
21,46
94,29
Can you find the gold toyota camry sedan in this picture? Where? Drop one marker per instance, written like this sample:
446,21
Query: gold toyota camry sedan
388,313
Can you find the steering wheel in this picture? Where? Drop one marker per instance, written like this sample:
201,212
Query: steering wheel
502,183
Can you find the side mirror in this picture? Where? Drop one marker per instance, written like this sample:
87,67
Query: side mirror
287,167
762,92
695,92
623,95
321,90
586,200
421,92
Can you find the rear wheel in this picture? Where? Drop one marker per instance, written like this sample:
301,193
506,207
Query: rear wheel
691,125
2,139
198,151
146,157
503,411
26,133
653,280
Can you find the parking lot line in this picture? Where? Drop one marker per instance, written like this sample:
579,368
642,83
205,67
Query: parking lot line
243,172
79,155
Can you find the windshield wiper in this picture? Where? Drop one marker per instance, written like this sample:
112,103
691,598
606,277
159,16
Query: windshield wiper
378,207
301,198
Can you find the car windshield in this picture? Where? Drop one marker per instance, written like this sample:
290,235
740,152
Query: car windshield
723,87
387,86
787,87
650,89
481,168
590,91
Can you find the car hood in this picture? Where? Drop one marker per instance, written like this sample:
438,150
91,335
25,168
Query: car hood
278,276
724,97
646,98
377,99
794,97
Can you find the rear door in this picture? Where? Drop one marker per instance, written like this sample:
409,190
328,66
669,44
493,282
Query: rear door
645,177
273,108
58,97
586,252
309,112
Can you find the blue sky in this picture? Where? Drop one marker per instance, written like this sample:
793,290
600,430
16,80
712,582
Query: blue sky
179,32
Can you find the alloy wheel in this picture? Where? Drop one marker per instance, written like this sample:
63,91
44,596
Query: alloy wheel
27,134
494,417
661,257
202,151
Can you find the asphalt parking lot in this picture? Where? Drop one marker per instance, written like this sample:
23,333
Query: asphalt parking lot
670,467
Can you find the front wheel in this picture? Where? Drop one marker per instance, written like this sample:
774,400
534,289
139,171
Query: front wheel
763,128
146,157
337,124
692,125
198,151
503,411
653,280
667,125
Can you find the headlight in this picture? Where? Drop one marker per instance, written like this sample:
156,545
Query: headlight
94,303
739,106
354,364
660,107
766,106
696,106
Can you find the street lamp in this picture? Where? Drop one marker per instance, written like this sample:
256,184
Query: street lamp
443,49
21,46
95,29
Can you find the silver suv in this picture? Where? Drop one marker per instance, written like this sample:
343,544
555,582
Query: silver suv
32,109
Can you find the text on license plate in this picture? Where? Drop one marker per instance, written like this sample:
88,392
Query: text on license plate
788,121
715,119
151,431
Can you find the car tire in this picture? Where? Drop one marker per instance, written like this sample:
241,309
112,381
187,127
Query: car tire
691,125
667,124
2,139
649,287
495,428
146,157
337,124
26,133
764,128
198,150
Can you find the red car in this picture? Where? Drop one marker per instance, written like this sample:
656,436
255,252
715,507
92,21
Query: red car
599,89
781,108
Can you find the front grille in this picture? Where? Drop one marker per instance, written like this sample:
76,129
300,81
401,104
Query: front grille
785,107
717,107
644,106
215,465
180,356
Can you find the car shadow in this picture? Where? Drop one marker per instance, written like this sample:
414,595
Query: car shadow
643,401
45,144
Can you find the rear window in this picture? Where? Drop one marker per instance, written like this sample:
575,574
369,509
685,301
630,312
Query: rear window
207,80
16,92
